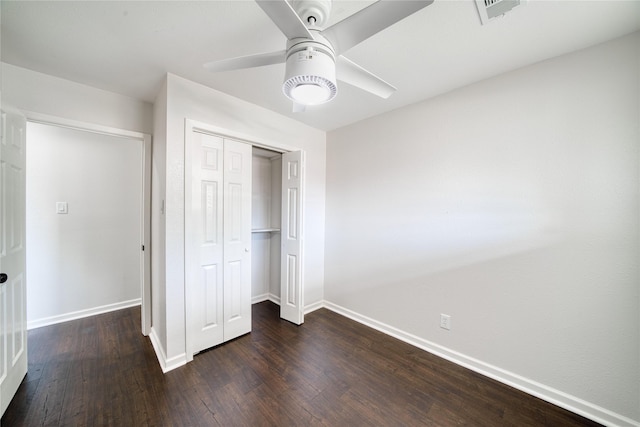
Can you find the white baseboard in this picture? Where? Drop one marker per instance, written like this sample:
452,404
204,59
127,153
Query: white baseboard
165,364
265,297
549,394
259,298
46,321
313,307
274,299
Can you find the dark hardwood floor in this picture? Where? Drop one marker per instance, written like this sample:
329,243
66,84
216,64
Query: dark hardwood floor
331,371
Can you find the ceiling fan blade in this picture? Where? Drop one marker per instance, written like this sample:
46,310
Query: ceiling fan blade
283,15
363,24
349,72
249,61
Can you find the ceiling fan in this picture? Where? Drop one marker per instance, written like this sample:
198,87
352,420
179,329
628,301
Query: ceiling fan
312,54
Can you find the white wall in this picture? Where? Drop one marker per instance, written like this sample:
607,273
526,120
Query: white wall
158,225
260,218
35,92
265,213
275,239
513,206
188,100
87,260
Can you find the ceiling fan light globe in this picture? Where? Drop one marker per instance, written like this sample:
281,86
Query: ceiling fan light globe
309,89
310,94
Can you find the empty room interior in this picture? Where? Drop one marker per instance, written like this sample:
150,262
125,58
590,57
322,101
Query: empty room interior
335,194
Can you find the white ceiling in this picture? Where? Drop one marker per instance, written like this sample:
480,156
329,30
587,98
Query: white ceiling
128,46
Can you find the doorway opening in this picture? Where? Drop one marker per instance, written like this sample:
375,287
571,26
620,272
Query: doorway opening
87,221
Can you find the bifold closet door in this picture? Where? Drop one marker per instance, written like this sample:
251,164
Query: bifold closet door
217,240
291,297
237,239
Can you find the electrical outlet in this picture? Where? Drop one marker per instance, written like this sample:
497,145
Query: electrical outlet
445,321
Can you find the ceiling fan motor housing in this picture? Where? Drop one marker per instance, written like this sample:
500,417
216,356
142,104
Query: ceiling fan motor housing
310,71
313,12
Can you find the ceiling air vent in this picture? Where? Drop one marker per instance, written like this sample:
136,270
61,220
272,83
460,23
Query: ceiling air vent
490,9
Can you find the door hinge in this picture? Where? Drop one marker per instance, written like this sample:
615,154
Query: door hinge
143,247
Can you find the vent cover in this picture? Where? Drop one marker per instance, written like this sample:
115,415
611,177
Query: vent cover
490,9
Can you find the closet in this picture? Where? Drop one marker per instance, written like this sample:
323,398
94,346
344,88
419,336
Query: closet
266,200
243,235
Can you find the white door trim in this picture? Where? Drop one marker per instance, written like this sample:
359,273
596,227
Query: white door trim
254,140
145,229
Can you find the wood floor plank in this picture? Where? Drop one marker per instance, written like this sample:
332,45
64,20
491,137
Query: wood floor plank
330,371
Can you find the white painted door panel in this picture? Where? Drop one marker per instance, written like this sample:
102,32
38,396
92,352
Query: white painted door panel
237,239
217,239
291,301
204,241
13,309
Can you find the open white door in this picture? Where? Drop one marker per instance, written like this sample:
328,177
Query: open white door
13,306
291,290
237,239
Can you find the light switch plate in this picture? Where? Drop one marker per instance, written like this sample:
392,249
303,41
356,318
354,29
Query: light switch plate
62,208
445,321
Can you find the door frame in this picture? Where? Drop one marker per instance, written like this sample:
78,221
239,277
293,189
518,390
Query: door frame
145,197
191,125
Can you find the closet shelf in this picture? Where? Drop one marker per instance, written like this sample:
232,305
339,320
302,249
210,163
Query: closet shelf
265,230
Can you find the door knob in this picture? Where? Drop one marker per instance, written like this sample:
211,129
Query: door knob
3,277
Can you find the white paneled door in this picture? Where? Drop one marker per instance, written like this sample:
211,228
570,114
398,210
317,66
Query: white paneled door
237,239
291,302
204,244
13,309
218,240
